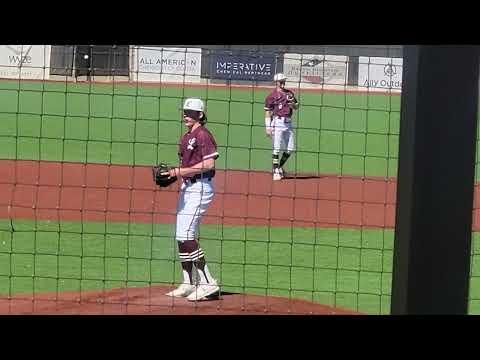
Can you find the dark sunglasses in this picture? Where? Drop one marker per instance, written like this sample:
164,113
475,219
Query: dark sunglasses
191,114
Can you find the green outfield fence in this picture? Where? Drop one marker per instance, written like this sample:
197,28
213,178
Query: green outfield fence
79,211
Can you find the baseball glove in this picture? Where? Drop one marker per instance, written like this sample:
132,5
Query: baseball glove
161,175
291,99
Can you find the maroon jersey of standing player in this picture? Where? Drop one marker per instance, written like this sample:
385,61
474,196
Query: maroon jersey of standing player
196,146
278,102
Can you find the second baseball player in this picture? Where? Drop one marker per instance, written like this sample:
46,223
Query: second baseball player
279,106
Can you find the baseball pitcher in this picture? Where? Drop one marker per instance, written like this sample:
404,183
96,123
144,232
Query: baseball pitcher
197,153
279,106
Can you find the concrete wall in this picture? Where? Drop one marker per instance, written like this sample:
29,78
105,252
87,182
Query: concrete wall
348,50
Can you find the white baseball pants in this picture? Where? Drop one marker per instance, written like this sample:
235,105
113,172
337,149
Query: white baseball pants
192,203
283,136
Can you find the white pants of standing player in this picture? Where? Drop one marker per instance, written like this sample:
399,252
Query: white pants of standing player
283,136
193,202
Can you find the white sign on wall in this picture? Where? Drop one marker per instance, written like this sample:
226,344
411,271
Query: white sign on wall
380,73
159,64
25,61
310,70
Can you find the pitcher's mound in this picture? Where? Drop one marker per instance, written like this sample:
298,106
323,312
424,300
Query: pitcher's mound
153,301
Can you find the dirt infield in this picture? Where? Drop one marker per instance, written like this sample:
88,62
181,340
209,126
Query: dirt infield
153,301
92,192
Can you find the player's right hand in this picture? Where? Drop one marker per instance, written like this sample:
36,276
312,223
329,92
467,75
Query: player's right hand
174,172
269,132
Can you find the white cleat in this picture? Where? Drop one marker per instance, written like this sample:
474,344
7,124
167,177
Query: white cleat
182,291
277,175
282,173
203,291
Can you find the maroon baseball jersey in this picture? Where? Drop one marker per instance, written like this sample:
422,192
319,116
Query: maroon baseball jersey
196,146
277,102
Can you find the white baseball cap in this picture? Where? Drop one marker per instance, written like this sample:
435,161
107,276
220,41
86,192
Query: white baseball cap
194,104
279,77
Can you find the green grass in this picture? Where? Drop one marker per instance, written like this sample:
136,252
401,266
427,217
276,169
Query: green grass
355,134
341,267
337,267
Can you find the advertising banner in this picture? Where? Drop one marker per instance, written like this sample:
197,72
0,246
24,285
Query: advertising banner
230,66
310,70
380,73
25,61
158,64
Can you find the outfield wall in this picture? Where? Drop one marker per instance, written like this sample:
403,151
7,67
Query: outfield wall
239,66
